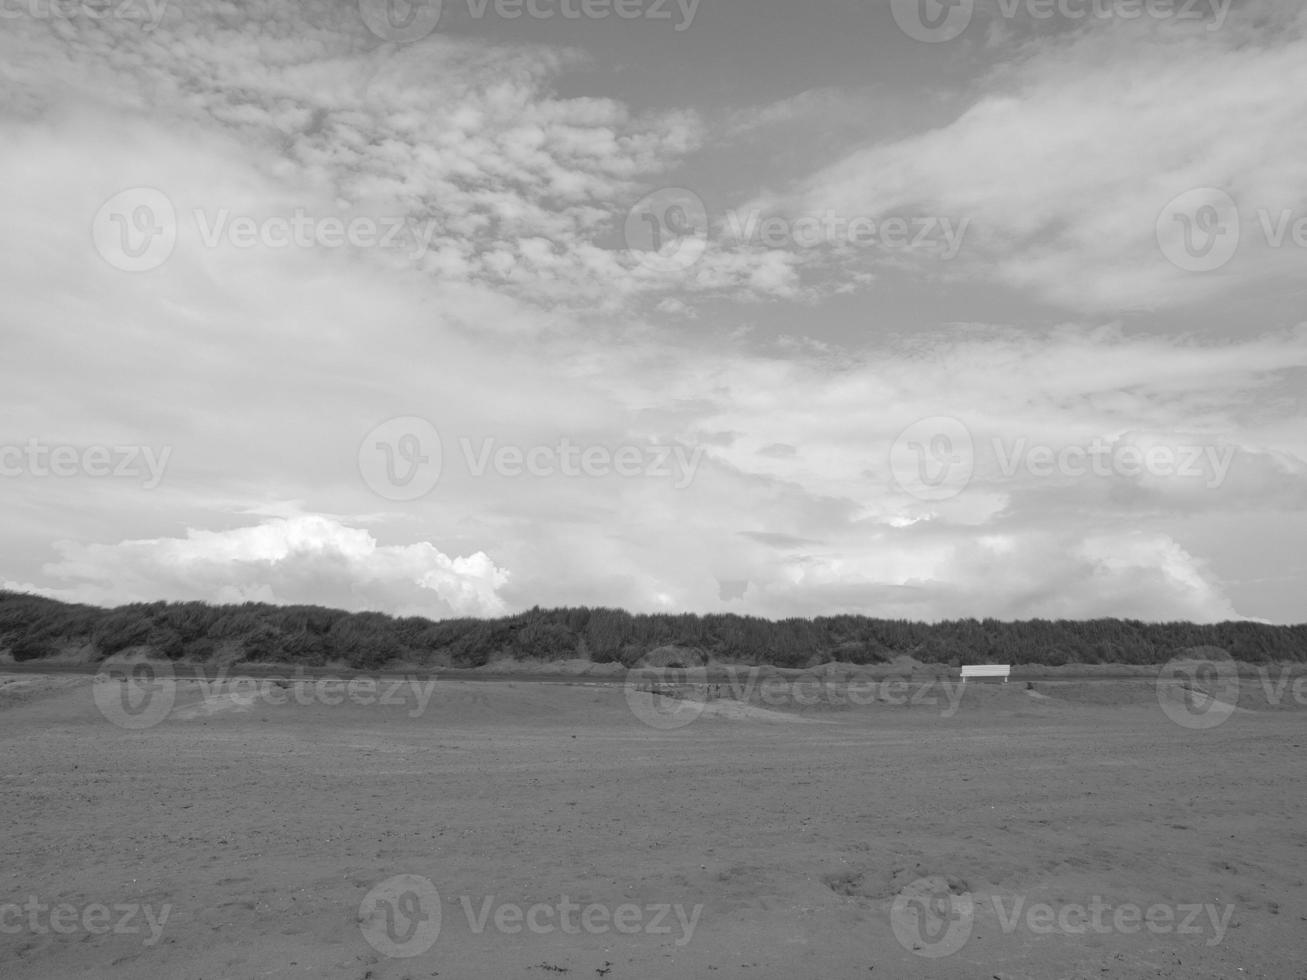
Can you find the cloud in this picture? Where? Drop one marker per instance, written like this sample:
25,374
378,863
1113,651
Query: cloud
305,559
1069,156
465,137
827,526
263,370
824,107
1023,575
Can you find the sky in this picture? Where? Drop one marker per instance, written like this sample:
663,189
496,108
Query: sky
904,308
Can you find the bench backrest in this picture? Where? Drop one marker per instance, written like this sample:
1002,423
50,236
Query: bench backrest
987,670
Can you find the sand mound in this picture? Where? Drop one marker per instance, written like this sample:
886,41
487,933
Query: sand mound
574,668
18,689
884,883
740,711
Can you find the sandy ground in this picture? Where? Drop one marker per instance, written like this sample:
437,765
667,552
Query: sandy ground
739,845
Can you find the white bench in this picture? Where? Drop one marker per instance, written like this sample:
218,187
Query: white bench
986,670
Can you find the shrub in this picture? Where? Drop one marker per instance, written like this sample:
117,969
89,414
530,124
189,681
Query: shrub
32,648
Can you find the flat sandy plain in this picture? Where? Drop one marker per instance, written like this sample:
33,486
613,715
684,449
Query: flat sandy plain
753,842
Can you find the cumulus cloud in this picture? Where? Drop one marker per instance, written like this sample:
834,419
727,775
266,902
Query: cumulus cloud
1019,575
305,559
803,500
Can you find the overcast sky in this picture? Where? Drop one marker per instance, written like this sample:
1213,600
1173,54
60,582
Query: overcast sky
759,306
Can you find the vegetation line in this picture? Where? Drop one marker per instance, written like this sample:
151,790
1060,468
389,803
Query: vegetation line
34,628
